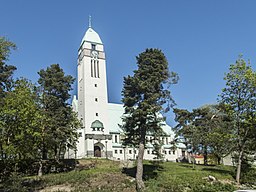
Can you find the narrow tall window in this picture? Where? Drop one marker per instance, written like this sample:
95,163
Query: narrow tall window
94,68
115,138
98,69
91,69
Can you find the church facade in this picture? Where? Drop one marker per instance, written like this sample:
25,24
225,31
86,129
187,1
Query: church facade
101,135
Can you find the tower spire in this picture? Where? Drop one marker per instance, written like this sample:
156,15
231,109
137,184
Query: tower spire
90,21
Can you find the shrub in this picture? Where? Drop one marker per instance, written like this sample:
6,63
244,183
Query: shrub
249,176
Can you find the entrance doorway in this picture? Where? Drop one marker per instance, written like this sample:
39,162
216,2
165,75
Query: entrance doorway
97,151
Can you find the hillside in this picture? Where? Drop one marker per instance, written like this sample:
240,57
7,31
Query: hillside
105,175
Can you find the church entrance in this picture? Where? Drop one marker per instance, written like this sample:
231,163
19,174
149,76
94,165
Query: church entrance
97,151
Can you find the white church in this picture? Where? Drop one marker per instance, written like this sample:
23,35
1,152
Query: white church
101,135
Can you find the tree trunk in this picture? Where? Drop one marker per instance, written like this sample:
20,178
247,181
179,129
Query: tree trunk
139,182
43,157
59,151
205,157
219,160
40,170
239,164
44,152
139,173
56,152
2,152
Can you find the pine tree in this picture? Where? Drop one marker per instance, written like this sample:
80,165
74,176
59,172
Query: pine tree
59,122
144,95
6,71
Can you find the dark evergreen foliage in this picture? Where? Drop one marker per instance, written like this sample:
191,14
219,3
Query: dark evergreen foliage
6,71
145,96
59,121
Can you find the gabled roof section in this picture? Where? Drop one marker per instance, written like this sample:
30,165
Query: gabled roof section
115,113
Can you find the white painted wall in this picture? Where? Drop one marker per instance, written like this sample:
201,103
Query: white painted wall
89,89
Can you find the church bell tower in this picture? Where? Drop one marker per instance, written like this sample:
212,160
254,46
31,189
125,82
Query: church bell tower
92,103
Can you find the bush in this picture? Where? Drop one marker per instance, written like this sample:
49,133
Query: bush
212,187
249,176
13,184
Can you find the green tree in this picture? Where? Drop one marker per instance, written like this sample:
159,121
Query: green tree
194,128
220,136
184,128
239,96
205,129
144,95
59,122
20,117
6,72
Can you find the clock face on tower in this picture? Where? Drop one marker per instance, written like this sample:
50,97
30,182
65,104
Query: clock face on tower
94,54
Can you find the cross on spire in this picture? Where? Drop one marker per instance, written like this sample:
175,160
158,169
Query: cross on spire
90,21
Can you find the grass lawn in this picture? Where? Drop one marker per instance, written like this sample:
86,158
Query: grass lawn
110,176
182,177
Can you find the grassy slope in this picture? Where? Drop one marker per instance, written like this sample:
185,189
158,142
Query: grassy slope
106,176
182,177
109,176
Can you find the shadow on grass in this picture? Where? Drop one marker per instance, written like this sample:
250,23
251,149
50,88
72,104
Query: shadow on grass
186,165
218,170
149,171
190,165
210,168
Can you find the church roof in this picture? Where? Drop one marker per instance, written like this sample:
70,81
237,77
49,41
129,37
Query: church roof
91,36
115,112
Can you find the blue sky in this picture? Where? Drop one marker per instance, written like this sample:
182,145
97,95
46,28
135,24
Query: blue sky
199,38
